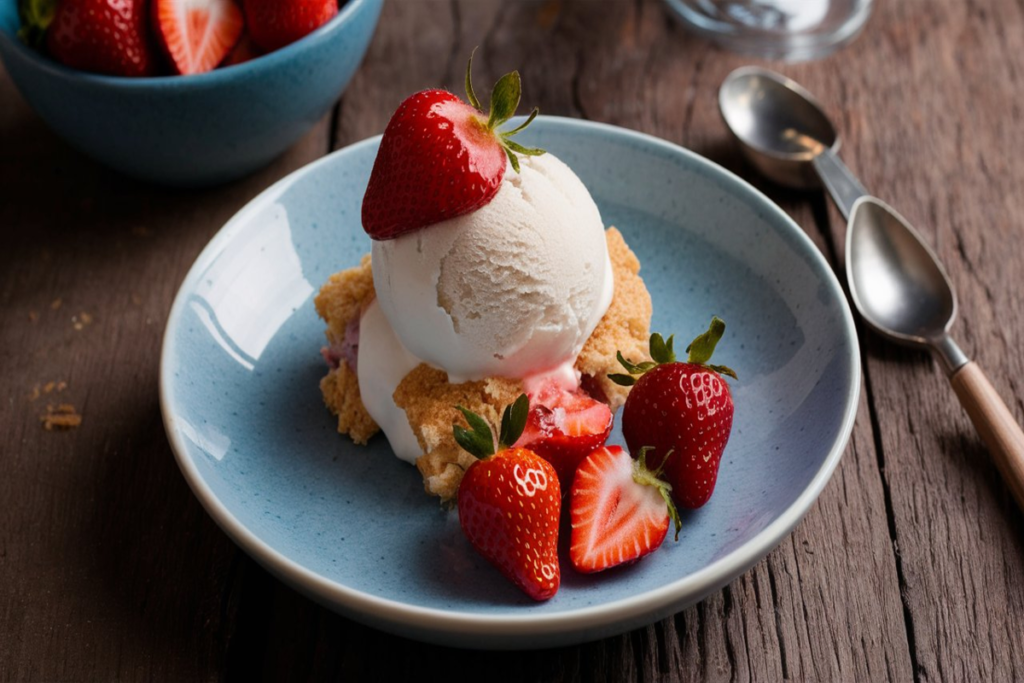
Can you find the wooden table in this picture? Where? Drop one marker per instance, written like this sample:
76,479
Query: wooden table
910,565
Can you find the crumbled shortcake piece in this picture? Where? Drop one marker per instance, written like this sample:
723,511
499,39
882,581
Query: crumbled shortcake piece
429,402
340,303
625,327
428,398
340,388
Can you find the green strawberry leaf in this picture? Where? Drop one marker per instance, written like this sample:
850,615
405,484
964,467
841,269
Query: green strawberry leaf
510,133
504,99
475,421
645,477
661,351
36,16
622,380
672,510
470,93
701,348
472,442
513,421
724,370
528,151
479,439
512,159
634,368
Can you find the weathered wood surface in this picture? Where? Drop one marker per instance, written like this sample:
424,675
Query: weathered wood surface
910,566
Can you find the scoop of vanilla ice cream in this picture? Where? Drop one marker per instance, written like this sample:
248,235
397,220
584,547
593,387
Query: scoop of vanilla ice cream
513,289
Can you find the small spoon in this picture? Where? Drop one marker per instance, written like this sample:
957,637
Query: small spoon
896,282
786,135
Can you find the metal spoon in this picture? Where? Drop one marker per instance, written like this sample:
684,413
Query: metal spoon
786,135
896,281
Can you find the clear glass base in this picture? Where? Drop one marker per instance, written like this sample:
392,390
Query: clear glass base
791,30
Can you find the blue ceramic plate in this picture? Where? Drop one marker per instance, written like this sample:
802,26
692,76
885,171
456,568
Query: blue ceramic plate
351,527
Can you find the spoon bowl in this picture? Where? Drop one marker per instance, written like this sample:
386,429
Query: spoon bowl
781,128
896,281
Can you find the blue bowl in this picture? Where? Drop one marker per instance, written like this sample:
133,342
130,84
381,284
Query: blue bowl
351,526
194,130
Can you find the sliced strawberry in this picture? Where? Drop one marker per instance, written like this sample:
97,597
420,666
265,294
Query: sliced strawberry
197,35
620,511
563,427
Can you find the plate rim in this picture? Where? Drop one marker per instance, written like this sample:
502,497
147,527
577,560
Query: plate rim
519,631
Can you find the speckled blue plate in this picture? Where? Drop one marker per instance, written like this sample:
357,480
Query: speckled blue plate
351,527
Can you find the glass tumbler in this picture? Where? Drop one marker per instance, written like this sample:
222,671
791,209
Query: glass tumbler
792,30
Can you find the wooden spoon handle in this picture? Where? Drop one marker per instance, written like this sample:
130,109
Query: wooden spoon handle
995,423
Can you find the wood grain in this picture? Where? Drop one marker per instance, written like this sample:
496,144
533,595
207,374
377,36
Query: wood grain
910,565
933,136
109,568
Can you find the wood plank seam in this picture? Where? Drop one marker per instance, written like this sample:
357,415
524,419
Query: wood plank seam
821,217
890,515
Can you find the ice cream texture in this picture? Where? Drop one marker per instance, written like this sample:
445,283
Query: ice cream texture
513,289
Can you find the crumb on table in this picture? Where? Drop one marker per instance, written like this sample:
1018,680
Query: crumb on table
60,417
81,320
51,386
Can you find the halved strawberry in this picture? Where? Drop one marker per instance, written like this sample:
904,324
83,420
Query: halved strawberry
563,427
620,510
197,35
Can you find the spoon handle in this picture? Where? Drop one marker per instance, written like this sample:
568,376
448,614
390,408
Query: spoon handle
995,423
840,182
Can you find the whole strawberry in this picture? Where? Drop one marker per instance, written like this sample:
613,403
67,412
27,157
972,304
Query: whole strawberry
276,23
509,503
103,36
440,158
682,407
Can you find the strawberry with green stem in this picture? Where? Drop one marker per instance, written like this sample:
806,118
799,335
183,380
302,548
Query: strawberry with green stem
509,502
441,158
685,407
